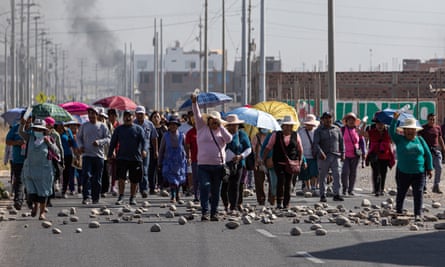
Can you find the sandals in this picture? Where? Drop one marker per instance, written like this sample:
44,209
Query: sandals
42,217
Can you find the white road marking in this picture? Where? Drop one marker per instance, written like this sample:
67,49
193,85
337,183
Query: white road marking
265,233
309,257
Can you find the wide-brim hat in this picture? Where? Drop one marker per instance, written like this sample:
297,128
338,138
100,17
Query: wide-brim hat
288,120
410,123
174,120
311,120
233,119
73,122
39,124
94,109
101,112
216,115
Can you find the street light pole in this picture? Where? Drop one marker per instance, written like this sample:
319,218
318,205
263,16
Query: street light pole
12,56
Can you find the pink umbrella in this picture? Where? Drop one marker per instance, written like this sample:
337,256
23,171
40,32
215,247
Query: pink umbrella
116,102
75,108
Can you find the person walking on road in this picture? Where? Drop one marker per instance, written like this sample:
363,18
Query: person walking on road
91,138
309,175
133,149
330,152
432,133
212,138
172,157
414,160
151,139
14,139
380,154
38,168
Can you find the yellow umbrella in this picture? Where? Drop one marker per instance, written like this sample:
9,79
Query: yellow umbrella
279,110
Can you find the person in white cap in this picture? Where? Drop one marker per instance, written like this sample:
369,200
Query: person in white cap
151,140
414,161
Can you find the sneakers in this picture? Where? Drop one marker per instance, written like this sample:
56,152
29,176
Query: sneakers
205,217
152,192
86,201
133,201
96,201
120,200
144,194
214,218
436,189
338,198
323,199
418,218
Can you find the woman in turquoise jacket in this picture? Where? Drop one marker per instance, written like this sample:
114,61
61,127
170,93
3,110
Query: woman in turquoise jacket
414,160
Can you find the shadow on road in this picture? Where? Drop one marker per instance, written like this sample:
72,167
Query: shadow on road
419,249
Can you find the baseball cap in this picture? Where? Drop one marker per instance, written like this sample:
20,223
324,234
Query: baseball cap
140,109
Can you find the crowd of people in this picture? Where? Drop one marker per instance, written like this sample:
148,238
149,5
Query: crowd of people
208,157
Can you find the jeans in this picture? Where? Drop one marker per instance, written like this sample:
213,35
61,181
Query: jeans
404,181
68,174
334,163
92,168
210,177
349,174
143,185
18,183
437,164
379,170
284,181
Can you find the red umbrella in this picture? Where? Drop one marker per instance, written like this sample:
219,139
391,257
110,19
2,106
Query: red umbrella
75,108
116,102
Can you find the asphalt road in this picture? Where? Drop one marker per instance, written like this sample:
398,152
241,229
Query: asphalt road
131,243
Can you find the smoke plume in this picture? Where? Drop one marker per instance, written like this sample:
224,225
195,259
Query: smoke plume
99,39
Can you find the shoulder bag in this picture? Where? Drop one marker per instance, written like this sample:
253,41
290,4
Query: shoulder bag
292,166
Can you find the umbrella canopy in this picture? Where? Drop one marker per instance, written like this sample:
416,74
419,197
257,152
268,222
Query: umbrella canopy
117,102
206,100
256,118
75,108
11,116
278,110
386,116
51,110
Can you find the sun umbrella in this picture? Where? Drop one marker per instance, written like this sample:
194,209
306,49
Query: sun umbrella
75,108
386,116
256,118
117,102
278,110
11,116
47,109
206,100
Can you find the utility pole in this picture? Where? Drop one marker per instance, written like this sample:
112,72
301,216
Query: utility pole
36,61
63,73
56,74
332,88
249,71
262,78
244,54
96,87
22,92
201,81
81,80
12,56
124,85
155,67
206,54
161,64
42,64
223,68
5,96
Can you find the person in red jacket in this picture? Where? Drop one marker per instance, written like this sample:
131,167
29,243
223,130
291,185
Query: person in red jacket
380,154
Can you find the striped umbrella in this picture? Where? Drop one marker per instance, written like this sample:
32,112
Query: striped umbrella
206,100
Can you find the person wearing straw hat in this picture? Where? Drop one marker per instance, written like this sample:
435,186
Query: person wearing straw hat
212,138
236,152
38,169
330,151
309,175
354,151
284,142
414,160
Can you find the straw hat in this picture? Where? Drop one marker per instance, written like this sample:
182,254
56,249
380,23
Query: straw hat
233,119
288,120
410,123
311,120
215,115
39,124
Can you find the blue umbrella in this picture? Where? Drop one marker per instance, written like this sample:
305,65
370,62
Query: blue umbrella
256,118
385,116
206,100
13,115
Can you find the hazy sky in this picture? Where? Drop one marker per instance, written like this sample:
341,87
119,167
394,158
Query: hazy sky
368,33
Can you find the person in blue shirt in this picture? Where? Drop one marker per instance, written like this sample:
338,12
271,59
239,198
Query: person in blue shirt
18,158
69,144
129,158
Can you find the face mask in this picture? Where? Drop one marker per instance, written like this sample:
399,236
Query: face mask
38,135
264,131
